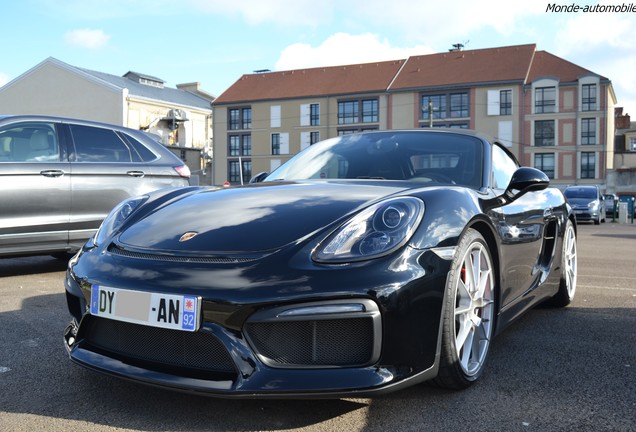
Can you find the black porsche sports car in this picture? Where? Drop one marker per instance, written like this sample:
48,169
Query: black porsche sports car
367,263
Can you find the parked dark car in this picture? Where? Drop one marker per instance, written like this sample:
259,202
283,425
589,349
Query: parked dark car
367,263
61,177
611,205
587,201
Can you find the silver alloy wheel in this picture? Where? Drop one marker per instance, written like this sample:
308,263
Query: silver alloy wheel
570,262
474,308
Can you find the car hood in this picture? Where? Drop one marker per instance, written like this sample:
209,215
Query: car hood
255,218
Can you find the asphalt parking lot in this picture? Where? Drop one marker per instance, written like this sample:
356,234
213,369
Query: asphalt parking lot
554,370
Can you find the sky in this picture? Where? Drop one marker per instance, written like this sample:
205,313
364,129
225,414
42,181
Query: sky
215,42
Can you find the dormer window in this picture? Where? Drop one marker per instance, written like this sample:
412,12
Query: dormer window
145,79
588,100
151,83
545,100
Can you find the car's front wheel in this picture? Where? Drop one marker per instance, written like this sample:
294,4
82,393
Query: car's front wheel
469,313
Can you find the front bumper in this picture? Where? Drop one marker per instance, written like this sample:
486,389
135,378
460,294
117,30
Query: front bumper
587,215
244,349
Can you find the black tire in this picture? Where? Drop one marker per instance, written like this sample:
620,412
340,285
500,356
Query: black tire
569,269
469,313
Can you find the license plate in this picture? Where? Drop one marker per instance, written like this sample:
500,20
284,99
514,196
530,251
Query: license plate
176,312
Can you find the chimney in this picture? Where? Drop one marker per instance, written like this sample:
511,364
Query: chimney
191,87
622,120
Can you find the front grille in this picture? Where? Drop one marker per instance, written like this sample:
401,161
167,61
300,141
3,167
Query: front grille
229,259
139,344
314,343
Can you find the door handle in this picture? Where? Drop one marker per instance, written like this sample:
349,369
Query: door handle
136,173
52,173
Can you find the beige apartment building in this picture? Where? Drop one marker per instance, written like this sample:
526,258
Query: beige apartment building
551,113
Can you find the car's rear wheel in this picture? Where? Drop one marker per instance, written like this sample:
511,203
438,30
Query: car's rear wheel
469,313
569,269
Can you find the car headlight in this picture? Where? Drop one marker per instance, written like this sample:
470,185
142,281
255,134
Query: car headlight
116,217
593,204
376,231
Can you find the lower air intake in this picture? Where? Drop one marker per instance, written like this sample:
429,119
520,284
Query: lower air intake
139,344
338,342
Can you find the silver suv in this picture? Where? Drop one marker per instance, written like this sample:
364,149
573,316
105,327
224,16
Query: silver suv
60,177
587,201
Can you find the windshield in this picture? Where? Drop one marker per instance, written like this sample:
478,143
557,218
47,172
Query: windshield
419,156
581,192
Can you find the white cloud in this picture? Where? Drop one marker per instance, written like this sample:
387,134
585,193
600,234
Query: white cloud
591,30
295,13
451,22
87,38
425,20
342,48
603,43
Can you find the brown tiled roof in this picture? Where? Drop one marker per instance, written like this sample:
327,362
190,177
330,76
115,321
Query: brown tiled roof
465,67
549,65
519,63
358,78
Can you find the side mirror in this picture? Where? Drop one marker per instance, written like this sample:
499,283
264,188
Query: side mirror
259,177
524,180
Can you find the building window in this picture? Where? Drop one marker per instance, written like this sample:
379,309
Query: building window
348,112
247,170
234,171
247,145
275,144
314,115
544,100
370,111
353,130
240,118
314,137
247,118
459,105
443,106
235,145
588,98
544,133
240,145
545,162
236,168
499,102
505,102
235,119
342,132
364,111
588,131
632,144
434,105
447,125
588,165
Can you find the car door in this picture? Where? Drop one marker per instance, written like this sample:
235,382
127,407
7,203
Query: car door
527,229
35,188
104,171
